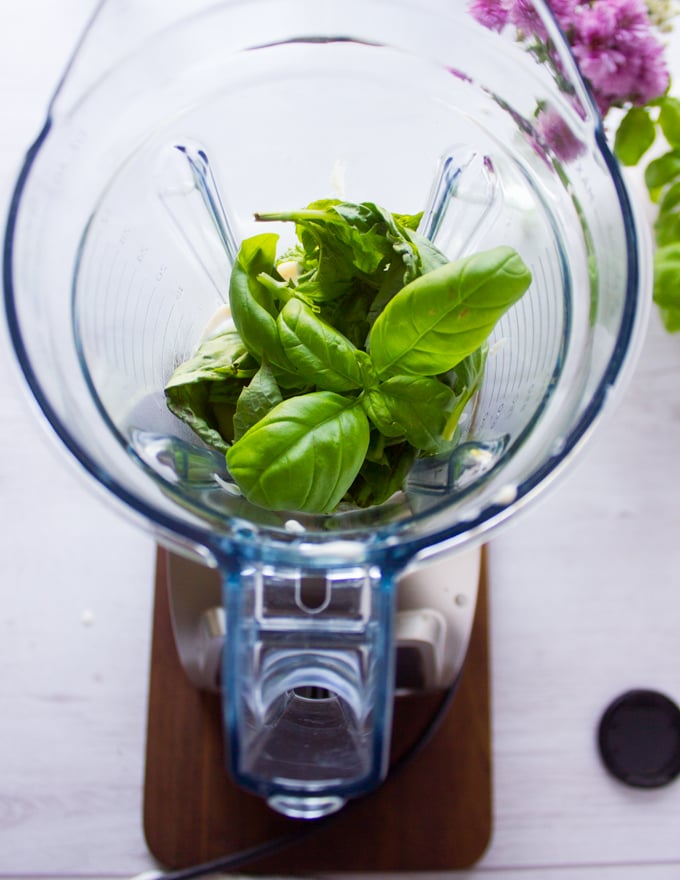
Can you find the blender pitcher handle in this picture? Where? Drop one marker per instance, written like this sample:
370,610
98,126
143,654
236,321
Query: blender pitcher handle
308,682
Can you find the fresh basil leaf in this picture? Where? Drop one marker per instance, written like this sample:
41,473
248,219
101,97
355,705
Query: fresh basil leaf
412,407
217,357
391,283
634,136
669,119
223,397
663,170
350,313
442,317
396,277
365,235
408,221
379,479
258,397
469,372
465,381
380,233
344,241
254,307
334,250
667,223
203,390
303,455
191,403
317,351
364,278
430,255
376,446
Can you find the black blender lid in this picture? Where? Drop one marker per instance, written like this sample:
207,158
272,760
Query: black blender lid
639,739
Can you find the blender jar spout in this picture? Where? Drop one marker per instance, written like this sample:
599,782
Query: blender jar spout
308,680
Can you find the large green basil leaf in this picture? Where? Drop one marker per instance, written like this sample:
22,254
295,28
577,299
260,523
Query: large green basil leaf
396,276
258,397
412,407
303,455
440,318
254,307
317,351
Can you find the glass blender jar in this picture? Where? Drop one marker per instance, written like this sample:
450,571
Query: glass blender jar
174,123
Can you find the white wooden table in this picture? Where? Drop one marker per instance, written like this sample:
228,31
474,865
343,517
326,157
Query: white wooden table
585,603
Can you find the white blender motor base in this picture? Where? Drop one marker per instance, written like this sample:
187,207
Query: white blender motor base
436,604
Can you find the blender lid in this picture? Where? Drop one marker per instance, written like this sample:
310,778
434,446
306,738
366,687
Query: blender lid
639,739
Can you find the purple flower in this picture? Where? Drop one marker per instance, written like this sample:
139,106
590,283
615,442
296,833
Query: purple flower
612,40
525,18
617,52
491,13
556,134
564,11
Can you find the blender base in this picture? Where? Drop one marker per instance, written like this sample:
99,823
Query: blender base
433,814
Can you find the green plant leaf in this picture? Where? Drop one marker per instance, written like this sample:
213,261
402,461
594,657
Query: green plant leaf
203,390
254,307
333,250
191,403
411,407
667,276
663,170
217,357
343,241
634,136
468,374
667,223
349,314
374,237
320,354
408,221
379,479
465,380
669,119
430,255
667,285
394,279
374,317
303,455
442,317
671,319
259,396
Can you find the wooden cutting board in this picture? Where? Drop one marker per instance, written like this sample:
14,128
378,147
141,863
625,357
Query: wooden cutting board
433,814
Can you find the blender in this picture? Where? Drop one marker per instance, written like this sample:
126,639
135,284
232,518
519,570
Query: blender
173,125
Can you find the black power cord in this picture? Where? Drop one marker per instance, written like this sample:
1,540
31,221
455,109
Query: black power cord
240,859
